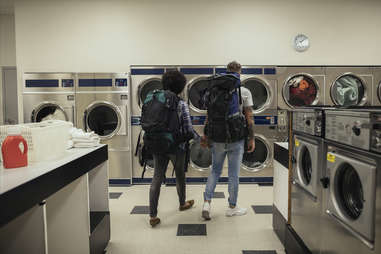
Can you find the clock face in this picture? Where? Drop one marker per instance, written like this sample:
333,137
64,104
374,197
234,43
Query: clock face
301,43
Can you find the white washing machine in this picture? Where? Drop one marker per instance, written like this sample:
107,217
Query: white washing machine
300,86
49,96
144,79
349,86
103,106
377,86
351,222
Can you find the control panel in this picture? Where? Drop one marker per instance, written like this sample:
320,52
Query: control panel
282,126
309,121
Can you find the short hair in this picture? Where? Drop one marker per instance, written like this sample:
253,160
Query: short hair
234,67
173,81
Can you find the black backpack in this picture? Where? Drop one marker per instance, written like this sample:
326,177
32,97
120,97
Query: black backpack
160,121
222,127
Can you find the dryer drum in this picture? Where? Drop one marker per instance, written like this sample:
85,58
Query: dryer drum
144,89
260,93
201,158
300,90
49,111
306,166
104,120
347,90
349,191
196,93
256,160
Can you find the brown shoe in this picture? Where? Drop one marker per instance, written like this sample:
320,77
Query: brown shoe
188,204
154,221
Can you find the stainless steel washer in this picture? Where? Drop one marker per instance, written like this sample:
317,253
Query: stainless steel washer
300,86
349,86
377,86
103,106
49,96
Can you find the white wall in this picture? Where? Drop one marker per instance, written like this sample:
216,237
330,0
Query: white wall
110,35
7,40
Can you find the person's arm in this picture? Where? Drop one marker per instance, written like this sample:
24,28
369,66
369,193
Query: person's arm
185,115
250,126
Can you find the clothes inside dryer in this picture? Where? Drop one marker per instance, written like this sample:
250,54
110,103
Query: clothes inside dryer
103,120
200,157
349,191
255,161
196,93
347,90
49,111
147,87
259,91
300,90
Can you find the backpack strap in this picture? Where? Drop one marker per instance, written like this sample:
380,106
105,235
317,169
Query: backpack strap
144,169
138,144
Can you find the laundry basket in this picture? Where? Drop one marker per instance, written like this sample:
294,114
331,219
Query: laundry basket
46,140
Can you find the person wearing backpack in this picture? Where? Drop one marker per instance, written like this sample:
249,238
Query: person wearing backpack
229,124
168,127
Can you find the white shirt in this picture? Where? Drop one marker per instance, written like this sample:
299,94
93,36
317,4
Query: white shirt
247,98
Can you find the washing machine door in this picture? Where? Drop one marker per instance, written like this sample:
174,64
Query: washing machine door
301,90
196,90
200,157
260,158
51,111
348,90
352,193
105,119
147,86
262,93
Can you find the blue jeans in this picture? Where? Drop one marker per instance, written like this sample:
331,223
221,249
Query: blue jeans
234,151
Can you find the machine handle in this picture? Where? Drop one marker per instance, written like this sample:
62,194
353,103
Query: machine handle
85,120
325,182
293,159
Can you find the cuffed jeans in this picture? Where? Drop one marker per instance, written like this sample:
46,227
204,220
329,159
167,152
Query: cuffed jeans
234,151
161,164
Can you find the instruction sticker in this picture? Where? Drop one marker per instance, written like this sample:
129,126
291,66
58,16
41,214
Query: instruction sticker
296,142
330,157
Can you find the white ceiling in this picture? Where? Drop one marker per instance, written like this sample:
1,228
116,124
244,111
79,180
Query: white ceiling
6,6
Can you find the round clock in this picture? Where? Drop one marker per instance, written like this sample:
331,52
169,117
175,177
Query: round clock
301,42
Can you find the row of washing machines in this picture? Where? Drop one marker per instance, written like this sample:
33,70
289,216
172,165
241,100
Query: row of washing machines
110,105
336,179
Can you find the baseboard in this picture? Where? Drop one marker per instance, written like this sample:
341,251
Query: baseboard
250,180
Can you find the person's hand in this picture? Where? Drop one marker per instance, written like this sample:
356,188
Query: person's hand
250,145
204,142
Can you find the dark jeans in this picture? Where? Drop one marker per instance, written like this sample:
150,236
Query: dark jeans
161,164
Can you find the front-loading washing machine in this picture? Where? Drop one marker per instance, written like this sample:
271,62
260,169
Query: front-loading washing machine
300,86
351,222
144,79
377,86
308,155
103,106
49,96
349,86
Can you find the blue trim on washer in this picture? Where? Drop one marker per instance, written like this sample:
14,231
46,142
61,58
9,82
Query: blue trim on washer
138,180
220,70
147,71
266,120
256,71
256,179
195,71
95,82
269,71
41,83
198,120
117,181
121,82
135,120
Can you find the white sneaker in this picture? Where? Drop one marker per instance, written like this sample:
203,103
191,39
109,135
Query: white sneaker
236,211
206,211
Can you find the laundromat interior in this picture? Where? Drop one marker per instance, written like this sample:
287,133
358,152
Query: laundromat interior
76,76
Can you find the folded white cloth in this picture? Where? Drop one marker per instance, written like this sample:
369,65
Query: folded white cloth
70,144
85,140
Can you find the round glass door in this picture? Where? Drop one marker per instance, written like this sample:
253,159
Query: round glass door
148,86
348,90
200,158
260,91
104,119
49,111
305,166
196,91
300,90
379,91
349,192
257,160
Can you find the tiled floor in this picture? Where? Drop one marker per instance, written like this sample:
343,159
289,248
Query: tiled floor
131,233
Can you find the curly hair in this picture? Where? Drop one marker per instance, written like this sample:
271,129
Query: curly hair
173,81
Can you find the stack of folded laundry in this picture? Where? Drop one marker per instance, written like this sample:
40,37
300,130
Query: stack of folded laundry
79,138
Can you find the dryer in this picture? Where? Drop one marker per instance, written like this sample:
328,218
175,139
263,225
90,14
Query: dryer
49,96
103,106
352,183
349,86
300,86
377,86
144,79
